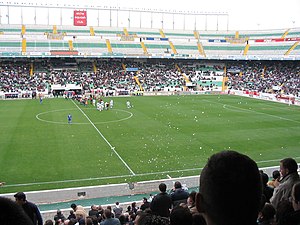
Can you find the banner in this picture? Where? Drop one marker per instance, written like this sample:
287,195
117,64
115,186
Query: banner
127,38
233,40
63,52
80,18
59,36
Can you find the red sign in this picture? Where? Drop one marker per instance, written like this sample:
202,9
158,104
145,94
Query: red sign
80,18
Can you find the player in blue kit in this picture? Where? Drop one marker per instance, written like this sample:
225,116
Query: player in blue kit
69,118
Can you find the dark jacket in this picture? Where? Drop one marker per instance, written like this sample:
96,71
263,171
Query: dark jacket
179,196
33,212
293,218
161,204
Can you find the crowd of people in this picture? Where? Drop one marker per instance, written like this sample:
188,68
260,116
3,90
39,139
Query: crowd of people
15,77
149,76
273,77
232,191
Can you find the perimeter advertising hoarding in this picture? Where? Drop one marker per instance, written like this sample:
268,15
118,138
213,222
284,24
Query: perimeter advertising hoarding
80,18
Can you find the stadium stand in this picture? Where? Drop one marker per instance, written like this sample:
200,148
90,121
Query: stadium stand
50,60
42,39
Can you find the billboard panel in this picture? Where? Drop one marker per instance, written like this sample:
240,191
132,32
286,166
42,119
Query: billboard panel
80,18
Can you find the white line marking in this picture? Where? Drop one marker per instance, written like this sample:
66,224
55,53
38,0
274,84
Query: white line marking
58,110
250,110
120,176
111,147
267,114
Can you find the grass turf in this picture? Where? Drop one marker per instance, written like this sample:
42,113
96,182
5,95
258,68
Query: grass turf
159,136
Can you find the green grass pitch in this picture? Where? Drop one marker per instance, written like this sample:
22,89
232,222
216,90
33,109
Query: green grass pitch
159,137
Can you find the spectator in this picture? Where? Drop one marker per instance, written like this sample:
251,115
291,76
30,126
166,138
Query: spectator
145,204
294,217
267,190
100,210
275,179
108,220
134,207
12,214
72,222
267,215
131,218
144,218
181,216
198,219
71,215
222,199
191,202
162,202
89,221
59,216
289,176
76,207
94,211
123,219
284,208
30,208
48,222
79,211
117,210
151,196
178,194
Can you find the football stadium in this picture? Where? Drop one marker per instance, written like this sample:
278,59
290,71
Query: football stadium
101,104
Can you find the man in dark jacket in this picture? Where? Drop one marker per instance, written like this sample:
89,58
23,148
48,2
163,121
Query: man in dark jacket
145,205
162,202
178,194
30,208
59,216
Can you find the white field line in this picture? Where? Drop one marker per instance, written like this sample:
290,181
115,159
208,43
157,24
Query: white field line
267,114
103,122
111,147
252,111
136,175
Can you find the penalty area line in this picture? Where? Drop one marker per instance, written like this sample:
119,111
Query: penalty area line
107,142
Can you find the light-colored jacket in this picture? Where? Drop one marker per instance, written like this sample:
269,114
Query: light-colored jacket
284,190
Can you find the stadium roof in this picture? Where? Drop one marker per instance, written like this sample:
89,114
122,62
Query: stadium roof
254,15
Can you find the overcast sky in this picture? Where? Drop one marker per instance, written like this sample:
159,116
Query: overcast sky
243,15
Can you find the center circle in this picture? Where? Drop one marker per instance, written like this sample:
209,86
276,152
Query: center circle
63,117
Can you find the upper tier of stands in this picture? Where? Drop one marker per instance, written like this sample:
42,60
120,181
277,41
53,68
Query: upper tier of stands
42,40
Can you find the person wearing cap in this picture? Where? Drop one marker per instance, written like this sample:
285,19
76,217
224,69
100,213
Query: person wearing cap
30,208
